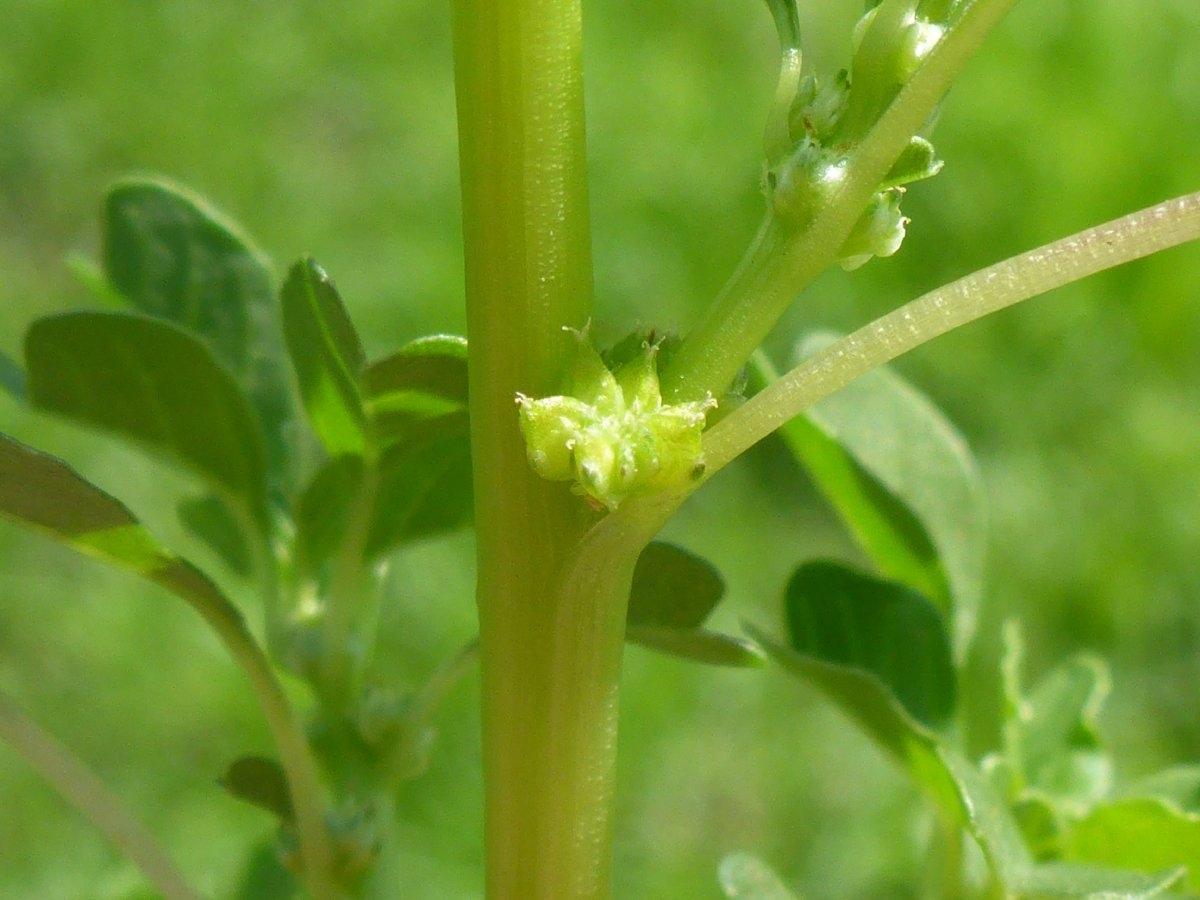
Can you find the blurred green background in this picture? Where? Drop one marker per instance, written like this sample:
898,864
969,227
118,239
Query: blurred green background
329,128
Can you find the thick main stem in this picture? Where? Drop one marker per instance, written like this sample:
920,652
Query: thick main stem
550,649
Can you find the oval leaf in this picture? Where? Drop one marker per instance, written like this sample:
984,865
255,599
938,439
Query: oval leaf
673,588
327,357
419,392
42,492
1145,834
260,782
150,381
174,257
423,491
12,377
842,617
745,877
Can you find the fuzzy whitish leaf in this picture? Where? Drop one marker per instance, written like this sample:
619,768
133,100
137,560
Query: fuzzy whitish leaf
1179,785
1052,745
171,255
843,617
423,491
673,588
326,356
419,392
44,493
745,877
264,876
260,782
698,645
1146,834
12,377
917,462
210,519
152,382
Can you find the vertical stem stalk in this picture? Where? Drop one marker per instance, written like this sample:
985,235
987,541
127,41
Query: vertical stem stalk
550,655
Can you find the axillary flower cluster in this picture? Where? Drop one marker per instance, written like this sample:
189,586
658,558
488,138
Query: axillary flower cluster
813,128
609,432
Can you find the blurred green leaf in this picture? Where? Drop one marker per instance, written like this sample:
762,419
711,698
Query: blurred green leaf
260,782
1179,785
698,645
672,594
44,493
745,877
840,616
12,377
673,588
323,510
264,876
327,357
154,383
172,256
419,392
905,483
1144,834
1052,745
210,519
423,491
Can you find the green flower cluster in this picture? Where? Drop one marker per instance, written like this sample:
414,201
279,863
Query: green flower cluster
609,432
814,127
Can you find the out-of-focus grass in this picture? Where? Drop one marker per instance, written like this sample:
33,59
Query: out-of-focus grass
330,129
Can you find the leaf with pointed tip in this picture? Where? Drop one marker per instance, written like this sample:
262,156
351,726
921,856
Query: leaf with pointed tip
210,519
152,382
12,377
260,782
420,391
1145,834
44,493
746,877
840,616
905,483
327,357
174,257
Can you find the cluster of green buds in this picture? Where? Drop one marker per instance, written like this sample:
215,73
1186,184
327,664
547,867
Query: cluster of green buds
609,432
814,127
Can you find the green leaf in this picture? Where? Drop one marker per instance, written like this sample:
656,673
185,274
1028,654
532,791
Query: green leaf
44,493
154,383
673,588
904,482
419,392
672,594
264,876
698,645
210,519
745,877
327,357
1179,785
323,511
172,256
423,491
1144,834
12,377
260,782
842,617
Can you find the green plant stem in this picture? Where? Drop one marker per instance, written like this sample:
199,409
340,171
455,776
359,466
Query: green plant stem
958,303
82,789
782,262
550,656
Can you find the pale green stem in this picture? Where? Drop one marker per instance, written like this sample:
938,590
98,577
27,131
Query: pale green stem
958,303
80,787
779,264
